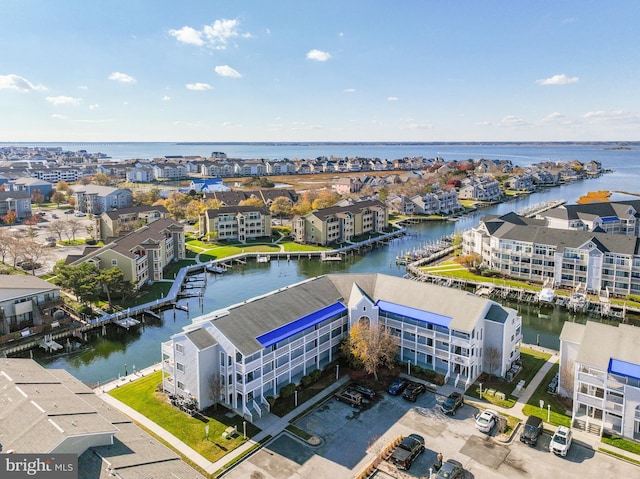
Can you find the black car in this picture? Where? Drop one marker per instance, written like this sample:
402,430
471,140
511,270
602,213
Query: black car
451,470
413,390
365,391
532,431
452,403
397,386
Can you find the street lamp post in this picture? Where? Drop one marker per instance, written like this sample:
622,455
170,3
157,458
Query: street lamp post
480,390
244,429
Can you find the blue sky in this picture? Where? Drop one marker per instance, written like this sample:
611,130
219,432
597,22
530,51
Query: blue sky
259,70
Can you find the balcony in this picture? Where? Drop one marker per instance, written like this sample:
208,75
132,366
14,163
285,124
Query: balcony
591,379
590,400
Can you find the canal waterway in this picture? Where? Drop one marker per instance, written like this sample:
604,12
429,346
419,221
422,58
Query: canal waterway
105,358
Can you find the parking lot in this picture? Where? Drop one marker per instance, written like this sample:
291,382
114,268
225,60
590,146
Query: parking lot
351,438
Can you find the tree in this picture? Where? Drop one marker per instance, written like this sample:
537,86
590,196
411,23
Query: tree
111,281
253,201
58,228
212,204
372,346
471,261
58,197
492,359
281,206
5,238
101,179
215,388
176,203
89,229
72,228
14,249
37,197
193,209
62,186
82,280
10,218
325,199
33,252
302,207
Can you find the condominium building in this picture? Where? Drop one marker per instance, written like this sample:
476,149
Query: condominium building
142,255
600,370
18,201
26,301
97,199
249,351
116,222
619,217
239,223
341,223
526,248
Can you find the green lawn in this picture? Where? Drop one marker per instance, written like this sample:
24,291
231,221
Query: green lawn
141,395
291,247
532,408
454,270
532,361
624,444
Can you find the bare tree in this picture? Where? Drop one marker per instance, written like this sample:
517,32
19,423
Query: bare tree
372,346
5,237
33,252
567,374
14,248
492,359
215,389
58,228
73,227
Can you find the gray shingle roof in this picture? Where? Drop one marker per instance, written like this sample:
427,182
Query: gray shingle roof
248,320
201,338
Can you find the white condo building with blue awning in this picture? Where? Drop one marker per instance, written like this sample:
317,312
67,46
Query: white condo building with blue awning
247,352
600,371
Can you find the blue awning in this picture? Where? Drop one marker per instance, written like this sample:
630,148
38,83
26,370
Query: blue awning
412,313
610,219
623,368
288,330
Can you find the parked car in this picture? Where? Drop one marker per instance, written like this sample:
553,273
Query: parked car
561,441
452,403
397,386
79,214
349,396
68,212
486,420
53,215
413,390
29,265
365,391
450,470
532,430
409,448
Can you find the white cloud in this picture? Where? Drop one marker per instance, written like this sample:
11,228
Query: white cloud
393,98
198,86
419,126
122,77
484,123
58,117
555,117
511,120
561,79
166,98
227,71
216,36
83,87
612,116
188,35
18,83
349,90
318,55
94,106
63,100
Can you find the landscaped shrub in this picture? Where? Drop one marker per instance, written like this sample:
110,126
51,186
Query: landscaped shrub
490,273
306,380
288,390
315,375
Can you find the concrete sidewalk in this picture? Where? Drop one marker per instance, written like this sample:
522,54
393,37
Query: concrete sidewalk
270,425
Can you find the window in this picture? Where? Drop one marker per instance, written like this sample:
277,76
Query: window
114,262
179,348
180,385
180,367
